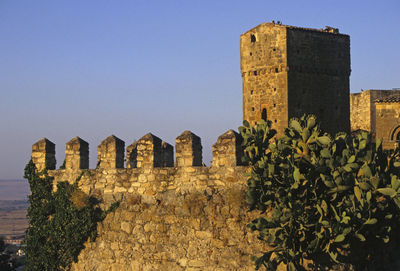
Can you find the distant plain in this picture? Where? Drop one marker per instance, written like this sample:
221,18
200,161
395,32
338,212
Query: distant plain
13,206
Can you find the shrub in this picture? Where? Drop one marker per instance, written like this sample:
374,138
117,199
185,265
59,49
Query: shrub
324,201
60,222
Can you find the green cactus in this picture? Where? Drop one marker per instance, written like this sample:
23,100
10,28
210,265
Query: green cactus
327,200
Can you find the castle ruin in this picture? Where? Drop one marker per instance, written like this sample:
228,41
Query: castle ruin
183,215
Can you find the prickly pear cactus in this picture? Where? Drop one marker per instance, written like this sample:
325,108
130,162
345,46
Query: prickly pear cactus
324,200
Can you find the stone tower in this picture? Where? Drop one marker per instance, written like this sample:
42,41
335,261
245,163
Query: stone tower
289,71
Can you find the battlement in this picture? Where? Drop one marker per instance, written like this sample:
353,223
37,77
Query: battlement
148,152
325,30
170,211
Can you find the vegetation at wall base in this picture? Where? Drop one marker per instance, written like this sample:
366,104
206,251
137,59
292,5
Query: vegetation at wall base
60,221
324,201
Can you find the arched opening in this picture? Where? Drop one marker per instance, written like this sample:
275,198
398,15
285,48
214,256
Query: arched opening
253,38
396,134
264,114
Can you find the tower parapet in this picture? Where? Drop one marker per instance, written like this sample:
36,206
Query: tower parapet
148,152
77,154
188,150
227,151
44,154
110,153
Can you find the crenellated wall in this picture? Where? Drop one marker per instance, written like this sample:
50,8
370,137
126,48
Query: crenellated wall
181,216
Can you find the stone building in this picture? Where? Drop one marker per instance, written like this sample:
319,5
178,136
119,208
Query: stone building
289,71
377,111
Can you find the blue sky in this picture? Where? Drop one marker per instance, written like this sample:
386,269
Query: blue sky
96,68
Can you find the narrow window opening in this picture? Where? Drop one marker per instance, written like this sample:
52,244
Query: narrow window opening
274,49
253,38
251,53
264,114
251,92
255,72
276,70
274,105
276,121
252,109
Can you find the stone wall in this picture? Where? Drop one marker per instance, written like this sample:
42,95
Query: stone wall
171,217
363,108
388,122
361,111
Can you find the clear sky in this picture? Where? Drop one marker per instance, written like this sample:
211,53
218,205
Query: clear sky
96,68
